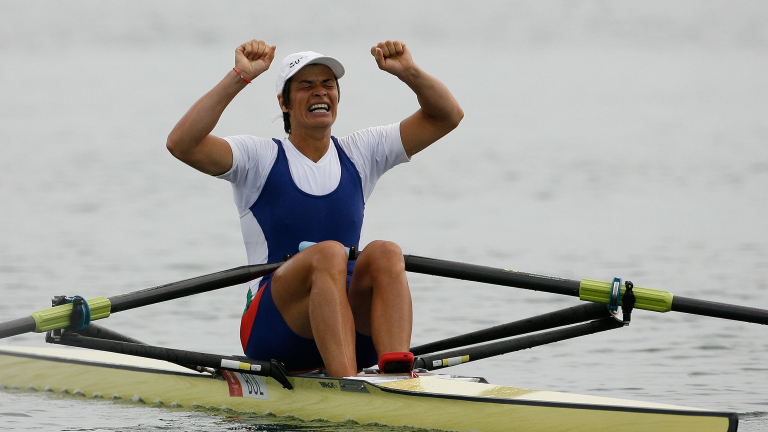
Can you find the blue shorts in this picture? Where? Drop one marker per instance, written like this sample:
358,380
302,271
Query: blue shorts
265,336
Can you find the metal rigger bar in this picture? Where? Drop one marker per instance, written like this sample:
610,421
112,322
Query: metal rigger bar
599,317
271,369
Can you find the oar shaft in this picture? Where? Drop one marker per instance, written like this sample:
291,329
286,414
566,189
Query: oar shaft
496,276
192,286
17,327
588,290
100,307
720,310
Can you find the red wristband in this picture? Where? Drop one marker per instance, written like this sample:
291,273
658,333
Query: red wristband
242,77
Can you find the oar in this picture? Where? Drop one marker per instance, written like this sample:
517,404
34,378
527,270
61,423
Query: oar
101,307
586,289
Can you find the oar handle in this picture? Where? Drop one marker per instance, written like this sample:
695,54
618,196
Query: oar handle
305,244
352,251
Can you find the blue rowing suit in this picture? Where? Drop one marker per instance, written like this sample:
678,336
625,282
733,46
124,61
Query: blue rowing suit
287,216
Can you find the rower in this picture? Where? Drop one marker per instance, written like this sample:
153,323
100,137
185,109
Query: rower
318,309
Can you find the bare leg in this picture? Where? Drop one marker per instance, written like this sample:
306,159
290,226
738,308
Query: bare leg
380,298
310,292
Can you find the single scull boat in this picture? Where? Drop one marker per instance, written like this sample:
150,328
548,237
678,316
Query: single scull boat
431,400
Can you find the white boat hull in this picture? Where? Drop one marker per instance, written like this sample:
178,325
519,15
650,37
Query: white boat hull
427,402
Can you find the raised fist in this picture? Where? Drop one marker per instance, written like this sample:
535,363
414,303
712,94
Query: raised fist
253,58
393,57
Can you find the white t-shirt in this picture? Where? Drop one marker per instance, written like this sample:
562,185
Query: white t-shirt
373,151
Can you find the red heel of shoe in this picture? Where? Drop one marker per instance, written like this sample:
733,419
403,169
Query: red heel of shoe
397,362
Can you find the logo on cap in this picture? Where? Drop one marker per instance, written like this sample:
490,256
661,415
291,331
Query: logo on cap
295,62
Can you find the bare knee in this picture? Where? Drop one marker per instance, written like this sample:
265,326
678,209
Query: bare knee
383,247
329,256
387,256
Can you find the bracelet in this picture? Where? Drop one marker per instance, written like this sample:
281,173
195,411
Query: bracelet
242,77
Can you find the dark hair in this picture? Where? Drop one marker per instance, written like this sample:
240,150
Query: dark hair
287,102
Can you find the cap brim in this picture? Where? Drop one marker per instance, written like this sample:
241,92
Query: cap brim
331,62
335,66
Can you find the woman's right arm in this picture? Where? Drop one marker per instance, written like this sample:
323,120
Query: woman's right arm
191,141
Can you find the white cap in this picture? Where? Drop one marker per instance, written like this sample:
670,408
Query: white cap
294,62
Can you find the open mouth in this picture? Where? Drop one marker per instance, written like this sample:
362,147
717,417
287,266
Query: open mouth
319,108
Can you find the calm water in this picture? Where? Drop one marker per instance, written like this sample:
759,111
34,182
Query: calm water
600,139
